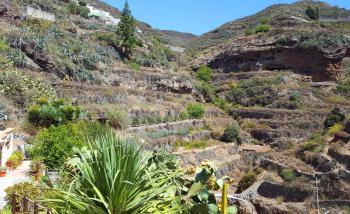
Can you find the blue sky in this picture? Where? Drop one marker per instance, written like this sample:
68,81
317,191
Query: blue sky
198,16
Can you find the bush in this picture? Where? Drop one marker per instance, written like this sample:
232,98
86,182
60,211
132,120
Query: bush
315,143
204,73
249,31
247,180
333,118
288,174
26,189
118,119
231,134
195,110
335,129
312,13
52,112
76,9
262,29
134,66
15,160
54,145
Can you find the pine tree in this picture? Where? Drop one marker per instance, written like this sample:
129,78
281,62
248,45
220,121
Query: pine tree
126,30
311,13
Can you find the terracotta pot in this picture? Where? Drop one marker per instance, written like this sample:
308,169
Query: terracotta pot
3,174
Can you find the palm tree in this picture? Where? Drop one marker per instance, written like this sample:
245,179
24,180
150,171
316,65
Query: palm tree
114,176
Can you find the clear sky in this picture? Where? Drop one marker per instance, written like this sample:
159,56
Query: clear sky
198,16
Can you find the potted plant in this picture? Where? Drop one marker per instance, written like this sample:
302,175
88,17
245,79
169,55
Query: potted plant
2,171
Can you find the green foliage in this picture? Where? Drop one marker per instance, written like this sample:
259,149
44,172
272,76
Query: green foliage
315,143
146,184
343,87
335,129
333,118
22,89
288,174
37,25
265,21
195,110
313,13
25,189
250,31
118,119
201,198
55,144
134,66
247,180
109,38
126,29
15,160
199,144
158,55
263,28
77,9
52,112
321,40
204,73
231,134
3,45
256,91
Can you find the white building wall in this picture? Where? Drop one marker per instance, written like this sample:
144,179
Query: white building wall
32,12
7,149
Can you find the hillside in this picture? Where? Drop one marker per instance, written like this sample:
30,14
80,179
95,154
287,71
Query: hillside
263,100
238,27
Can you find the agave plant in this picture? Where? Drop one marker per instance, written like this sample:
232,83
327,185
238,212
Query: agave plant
113,176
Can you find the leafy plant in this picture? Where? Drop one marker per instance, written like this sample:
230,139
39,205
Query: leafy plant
247,180
288,174
118,119
15,160
113,175
195,110
54,145
263,28
52,112
25,189
77,9
315,143
204,73
231,134
333,118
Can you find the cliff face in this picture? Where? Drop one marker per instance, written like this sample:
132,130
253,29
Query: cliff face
280,51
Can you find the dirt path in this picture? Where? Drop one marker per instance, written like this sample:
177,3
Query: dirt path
18,175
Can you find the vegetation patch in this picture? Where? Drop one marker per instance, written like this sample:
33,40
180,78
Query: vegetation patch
288,175
195,110
315,143
231,134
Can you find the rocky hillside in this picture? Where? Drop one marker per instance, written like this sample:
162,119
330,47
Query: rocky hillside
265,98
279,13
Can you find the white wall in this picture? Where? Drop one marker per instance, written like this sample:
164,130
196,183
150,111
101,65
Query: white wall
32,12
7,149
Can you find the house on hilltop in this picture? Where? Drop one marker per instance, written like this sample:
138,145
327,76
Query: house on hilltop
110,20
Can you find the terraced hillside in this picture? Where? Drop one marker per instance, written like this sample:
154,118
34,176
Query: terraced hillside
265,98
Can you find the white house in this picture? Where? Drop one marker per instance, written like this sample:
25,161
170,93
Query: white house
6,145
110,20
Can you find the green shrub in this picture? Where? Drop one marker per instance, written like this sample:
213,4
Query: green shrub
195,110
312,13
134,66
231,134
26,189
76,9
247,180
118,119
55,144
263,28
250,31
15,160
288,174
315,143
199,144
265,21
52,112
204,73
109,38
333,118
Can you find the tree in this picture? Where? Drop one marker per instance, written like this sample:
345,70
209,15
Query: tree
311,13
126,30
